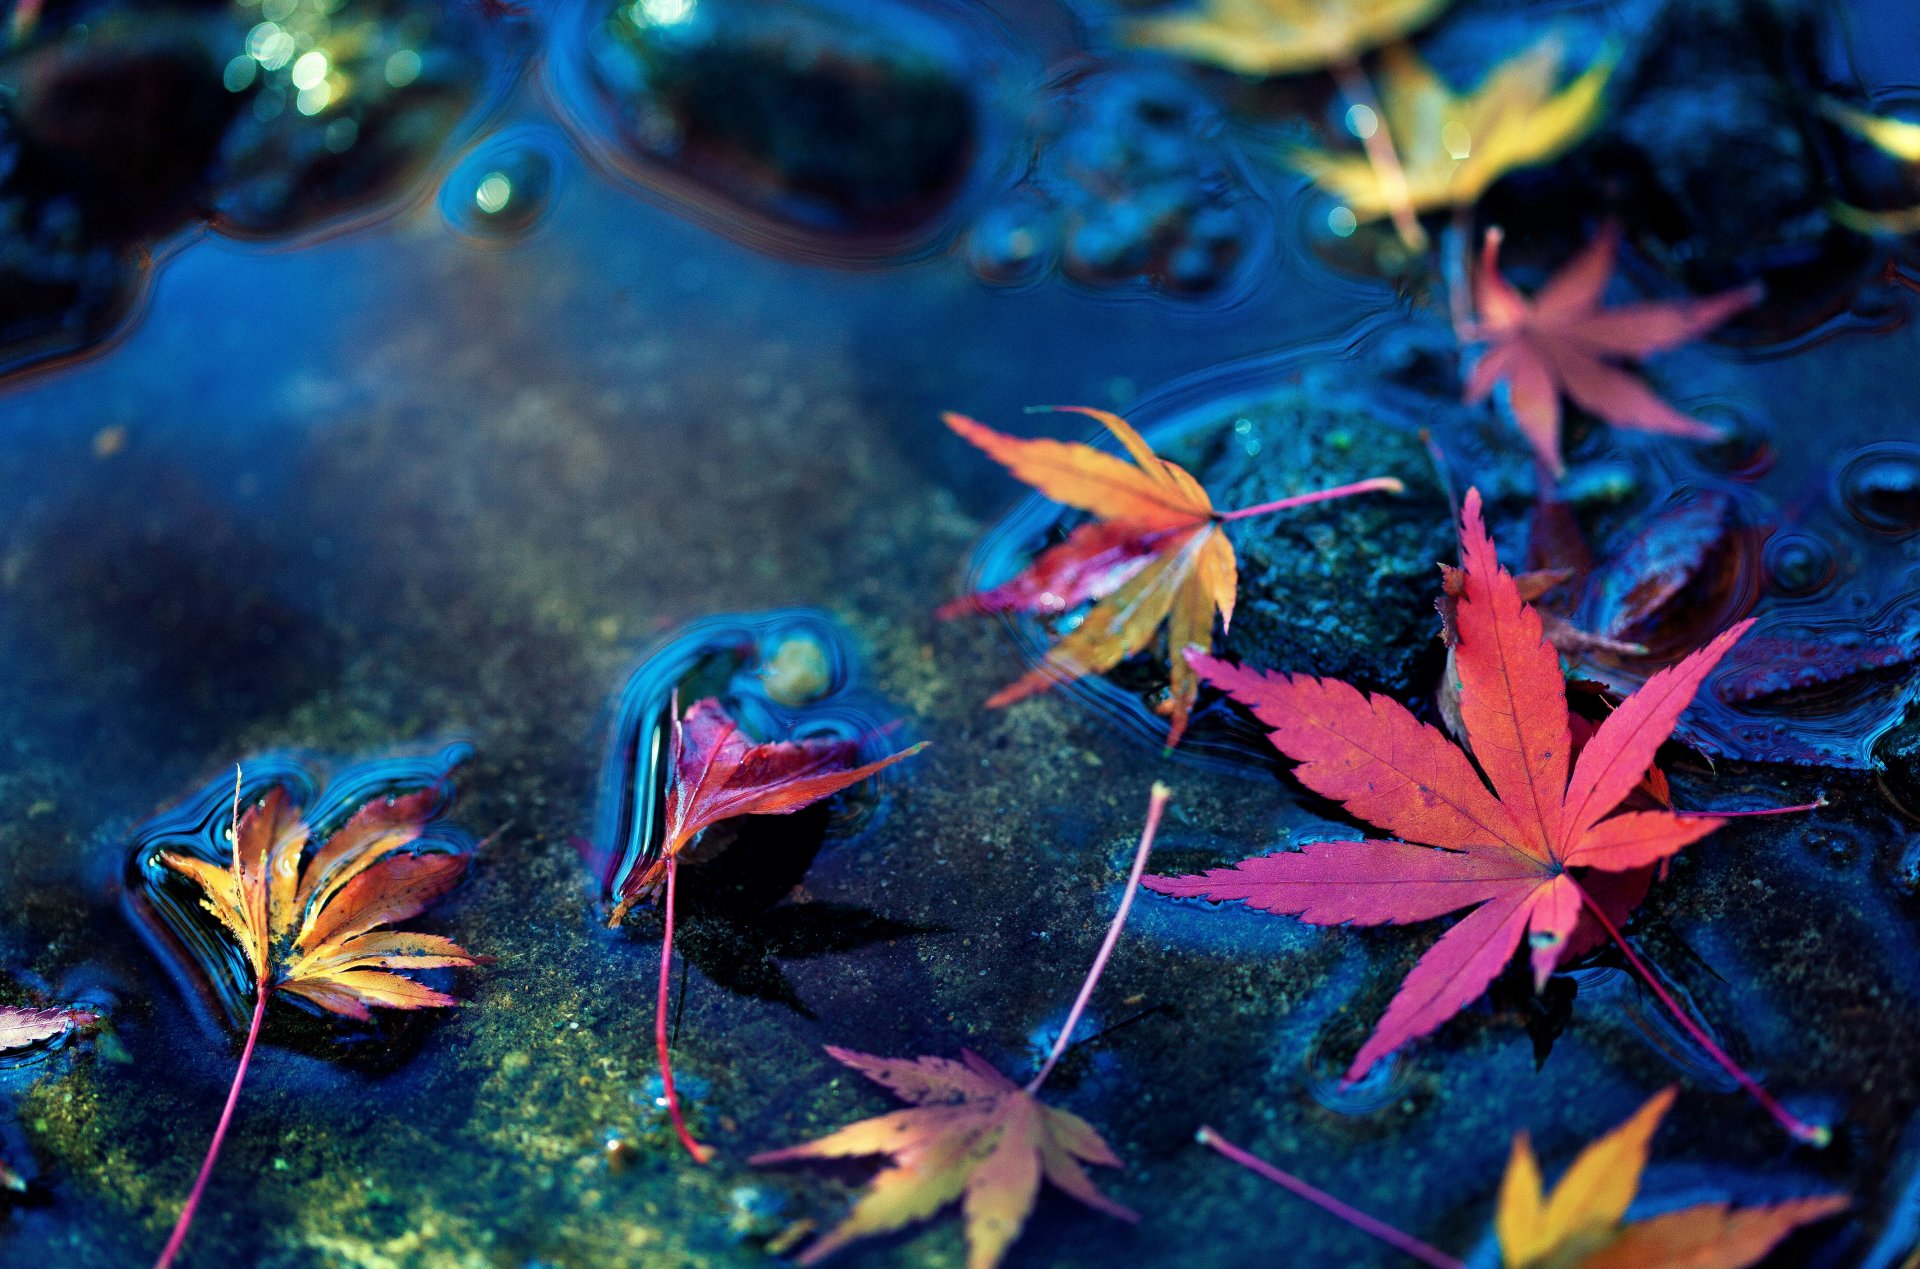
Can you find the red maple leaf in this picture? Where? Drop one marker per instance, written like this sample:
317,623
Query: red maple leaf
1530,856
716,774
1563,341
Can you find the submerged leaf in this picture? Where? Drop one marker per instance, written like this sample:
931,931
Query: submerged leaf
1277,37
1562,341
1452,147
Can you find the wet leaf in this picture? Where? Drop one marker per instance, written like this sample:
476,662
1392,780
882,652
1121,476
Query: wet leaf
1899,139
1508,851
311,923
1156,553
717,774
1563,342
974,1136
1666,588
1581,1224
1452,147
1278,37
24,1028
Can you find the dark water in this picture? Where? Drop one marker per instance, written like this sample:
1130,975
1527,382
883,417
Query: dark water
326,466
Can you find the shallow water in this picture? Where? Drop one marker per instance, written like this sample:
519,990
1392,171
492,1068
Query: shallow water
441,478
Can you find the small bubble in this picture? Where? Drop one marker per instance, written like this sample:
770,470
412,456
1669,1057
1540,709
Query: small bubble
1799,564
503,188
1881,487
1343,222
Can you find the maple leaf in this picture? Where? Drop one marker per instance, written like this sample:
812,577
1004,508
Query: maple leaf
1582,1224
1683,576
1155,553
1899,139
25,1027
314,923
972,1134
715,773
1277,37
1452,147
1563,341
1516,853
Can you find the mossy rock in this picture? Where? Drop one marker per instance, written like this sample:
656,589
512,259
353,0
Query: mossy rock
1347,588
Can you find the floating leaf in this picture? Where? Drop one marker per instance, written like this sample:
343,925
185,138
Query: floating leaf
1452,147
1278,37
1582,1224
1156,553
972,1135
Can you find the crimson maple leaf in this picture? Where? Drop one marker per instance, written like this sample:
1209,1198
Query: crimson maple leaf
1156,552
1527,855
715,774
1563,341
972,1134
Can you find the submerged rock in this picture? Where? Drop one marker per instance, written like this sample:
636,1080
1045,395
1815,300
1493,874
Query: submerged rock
1132,185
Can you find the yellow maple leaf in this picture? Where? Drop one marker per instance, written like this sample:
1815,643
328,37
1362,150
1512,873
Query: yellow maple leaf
1280,37
1582,1224
1897,138
1452,147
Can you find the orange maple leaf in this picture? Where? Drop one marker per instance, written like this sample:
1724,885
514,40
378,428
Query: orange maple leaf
972,1134
312,924
1582,1224
1563,341
1156,553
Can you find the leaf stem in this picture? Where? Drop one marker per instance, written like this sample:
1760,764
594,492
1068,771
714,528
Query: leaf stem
1358,91
1373,484
699,1152
261,991
1353,1216
1156,804
1818,1135
1814,805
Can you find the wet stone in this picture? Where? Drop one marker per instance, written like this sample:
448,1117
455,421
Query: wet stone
801,113
1345,589
1898,753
